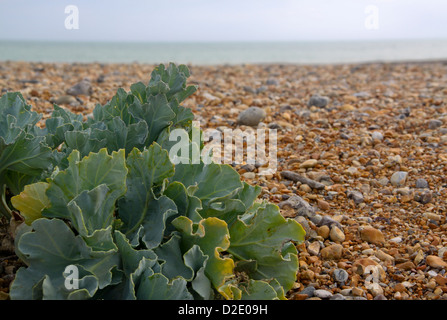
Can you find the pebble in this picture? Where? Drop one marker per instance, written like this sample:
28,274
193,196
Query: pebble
384,256
251,116
399,178
377,136
301,206
337,296
84,87
357,196
357,291
332,252
423,197
323,294
336,234
314,248
434,124
340,275
371,235
68,100
249,175
435,262
318,101
309,164
309,291
396,239
323,231
421,184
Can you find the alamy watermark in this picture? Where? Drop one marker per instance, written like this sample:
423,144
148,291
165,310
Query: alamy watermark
372,18
72,20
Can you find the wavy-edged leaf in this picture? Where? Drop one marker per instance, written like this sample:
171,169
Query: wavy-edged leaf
212,236
31,201
48,250
85,175
158,287
212,181
156,113
139,207
261,237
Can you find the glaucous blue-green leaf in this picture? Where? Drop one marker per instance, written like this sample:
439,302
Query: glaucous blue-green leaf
187,205
83,141
212,236
14,112
158,287
157,114
92,212
118,106
59,123
28,155
173,265
262,238
139,207
135,264
117,135
85,175
212,181
48,250
171,81
201,284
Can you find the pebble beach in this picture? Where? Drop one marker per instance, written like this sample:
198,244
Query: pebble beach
361,160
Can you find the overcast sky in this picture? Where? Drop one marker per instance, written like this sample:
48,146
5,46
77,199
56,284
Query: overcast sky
224,20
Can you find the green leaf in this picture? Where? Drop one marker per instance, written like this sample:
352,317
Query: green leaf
156,113
261,238
31,201
92,210
85,175
139,207
48,250
171,81
173,265
28,155
135,265
212,181
158,287
212,236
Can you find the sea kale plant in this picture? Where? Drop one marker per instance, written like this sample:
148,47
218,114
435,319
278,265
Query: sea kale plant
109,216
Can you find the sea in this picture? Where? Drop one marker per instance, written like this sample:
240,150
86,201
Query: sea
226,53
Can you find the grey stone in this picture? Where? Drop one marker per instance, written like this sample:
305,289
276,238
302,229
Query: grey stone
299,178
323,294
328,221
357,196
421,184
377,136
434,124
399,178
340,275
251,116
301,206
423,197
337,296
70,100
272,82
84,87
318,101
309,291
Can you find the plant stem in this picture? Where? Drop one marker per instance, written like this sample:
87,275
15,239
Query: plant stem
4,208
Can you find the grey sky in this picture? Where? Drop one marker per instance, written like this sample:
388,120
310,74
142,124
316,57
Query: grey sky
224,20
